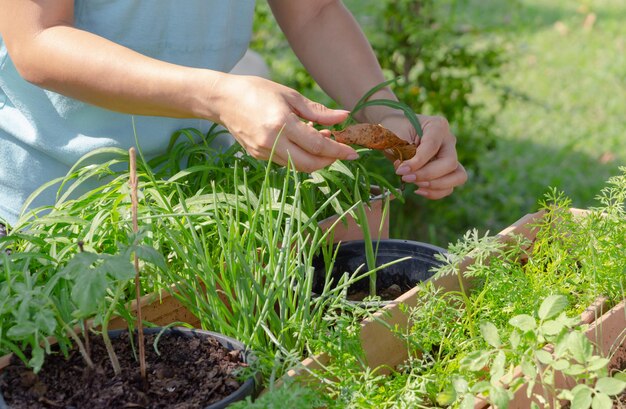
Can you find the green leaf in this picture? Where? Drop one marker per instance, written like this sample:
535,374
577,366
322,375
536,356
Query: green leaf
340,167
515,339
490,333
530,388
371,92
552,306
88,291
475,361
543,356
602,401
37,358
528,368
117,266
574,370
46,322
481,387
580,346
497,366
561,348
523,322
79,264
499,396
447,396
582,398
597,362
468,401
610,386
560,364
460,385
151,256
551,327
547,377
566,394
22,330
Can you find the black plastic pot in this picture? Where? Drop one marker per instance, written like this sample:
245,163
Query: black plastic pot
405,274
248,388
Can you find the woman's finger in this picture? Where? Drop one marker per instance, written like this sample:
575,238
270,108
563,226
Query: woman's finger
442,186
315,143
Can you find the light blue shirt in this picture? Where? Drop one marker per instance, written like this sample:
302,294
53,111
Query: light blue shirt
42,133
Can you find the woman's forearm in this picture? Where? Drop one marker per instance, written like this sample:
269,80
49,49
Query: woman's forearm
268,119
90,68
333,48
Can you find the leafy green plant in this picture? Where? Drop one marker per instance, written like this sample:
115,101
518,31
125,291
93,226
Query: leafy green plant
516,297
82,290
247,253
570,353
62,273
237,236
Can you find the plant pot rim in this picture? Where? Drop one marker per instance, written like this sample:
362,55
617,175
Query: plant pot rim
417,251
355,243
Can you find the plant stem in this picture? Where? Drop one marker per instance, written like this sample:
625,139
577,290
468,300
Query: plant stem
80,345
75,337
85,325
466,300
369,248
105,332
133,198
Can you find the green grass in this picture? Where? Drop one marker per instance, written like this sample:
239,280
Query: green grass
568,129
565,125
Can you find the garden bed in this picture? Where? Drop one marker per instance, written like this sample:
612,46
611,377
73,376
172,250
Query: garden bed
197,371
384,351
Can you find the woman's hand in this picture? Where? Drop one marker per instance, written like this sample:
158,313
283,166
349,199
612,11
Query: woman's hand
257,112
434,169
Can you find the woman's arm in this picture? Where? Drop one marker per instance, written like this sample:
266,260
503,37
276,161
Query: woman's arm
50,52
333,48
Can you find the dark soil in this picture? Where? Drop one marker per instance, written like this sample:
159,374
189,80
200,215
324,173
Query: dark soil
386,294
189,373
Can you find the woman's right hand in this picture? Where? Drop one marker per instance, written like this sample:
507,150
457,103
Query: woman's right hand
257,112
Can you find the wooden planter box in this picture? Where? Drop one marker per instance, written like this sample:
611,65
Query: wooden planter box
382,347
607,333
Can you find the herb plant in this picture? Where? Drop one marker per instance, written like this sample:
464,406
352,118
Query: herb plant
516,298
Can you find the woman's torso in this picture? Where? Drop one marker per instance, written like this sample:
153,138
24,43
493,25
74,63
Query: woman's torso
42,133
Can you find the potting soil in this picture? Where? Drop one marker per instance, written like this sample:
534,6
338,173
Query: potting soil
187,373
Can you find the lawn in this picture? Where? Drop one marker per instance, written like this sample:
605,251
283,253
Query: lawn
566,128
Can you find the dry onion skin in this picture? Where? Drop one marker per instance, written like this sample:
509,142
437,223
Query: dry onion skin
373,136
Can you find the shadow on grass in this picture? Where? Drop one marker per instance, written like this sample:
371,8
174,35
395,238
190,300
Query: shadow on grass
505,188
518,17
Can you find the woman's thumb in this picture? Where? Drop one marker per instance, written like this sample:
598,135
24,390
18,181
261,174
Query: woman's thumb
317,113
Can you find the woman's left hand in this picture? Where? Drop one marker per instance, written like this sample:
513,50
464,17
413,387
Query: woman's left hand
435,168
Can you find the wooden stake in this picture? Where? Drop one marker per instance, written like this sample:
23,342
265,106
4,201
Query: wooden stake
85,321
133,198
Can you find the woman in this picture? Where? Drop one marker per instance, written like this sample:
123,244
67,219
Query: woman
73,74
